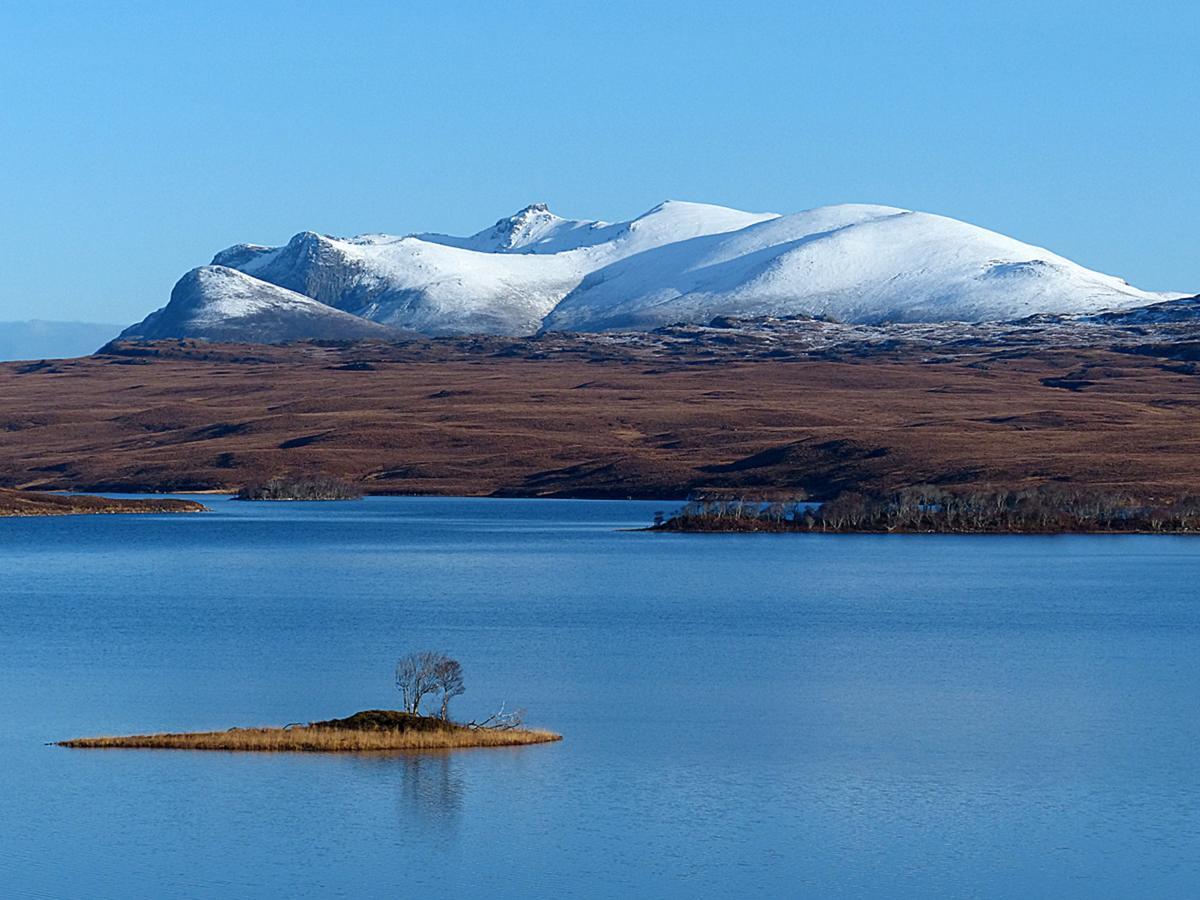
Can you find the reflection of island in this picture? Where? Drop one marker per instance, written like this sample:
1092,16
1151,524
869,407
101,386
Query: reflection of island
431,789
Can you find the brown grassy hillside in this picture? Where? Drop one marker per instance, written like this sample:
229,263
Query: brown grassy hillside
585,418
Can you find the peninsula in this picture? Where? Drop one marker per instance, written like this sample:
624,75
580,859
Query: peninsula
36,503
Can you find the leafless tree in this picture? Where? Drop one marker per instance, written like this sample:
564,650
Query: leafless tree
416,677
448,679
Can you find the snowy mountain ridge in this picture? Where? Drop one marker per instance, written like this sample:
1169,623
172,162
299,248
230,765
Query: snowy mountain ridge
533,229
678,262
217,303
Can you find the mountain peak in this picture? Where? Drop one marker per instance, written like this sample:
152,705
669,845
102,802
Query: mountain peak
522,228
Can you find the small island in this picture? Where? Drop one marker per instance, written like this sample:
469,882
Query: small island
367,731
927,509
418,675
312,487
35,503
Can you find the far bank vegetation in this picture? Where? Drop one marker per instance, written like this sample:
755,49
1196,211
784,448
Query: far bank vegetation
1047,509
302,487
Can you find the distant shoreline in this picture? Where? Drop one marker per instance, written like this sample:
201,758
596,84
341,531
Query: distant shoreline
996,532
30,504
927,509
146,492
36,504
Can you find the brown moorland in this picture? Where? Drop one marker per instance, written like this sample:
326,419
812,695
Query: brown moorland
567,416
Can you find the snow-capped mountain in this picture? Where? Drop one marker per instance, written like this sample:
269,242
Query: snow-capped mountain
532,230
853,263
679,262
216,303
537,230
503,280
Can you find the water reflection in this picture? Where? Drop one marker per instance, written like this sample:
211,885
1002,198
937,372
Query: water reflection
429,787
431,790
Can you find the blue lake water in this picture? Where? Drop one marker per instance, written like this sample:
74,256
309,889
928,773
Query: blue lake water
774,716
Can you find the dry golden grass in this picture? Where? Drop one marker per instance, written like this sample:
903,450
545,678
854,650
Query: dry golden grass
321,740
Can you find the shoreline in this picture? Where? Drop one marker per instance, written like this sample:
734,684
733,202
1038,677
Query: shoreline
231,493
914,532
16,504
151,503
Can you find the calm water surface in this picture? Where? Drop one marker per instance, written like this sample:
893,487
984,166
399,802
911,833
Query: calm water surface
773,716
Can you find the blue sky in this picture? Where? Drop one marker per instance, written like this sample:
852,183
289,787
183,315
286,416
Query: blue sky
137,139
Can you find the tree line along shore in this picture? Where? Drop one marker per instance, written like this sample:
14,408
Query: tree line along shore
1047,509
922,509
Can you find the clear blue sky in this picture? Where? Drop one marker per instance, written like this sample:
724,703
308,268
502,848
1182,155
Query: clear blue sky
137,139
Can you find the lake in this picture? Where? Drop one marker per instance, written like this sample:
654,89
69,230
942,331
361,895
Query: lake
744,715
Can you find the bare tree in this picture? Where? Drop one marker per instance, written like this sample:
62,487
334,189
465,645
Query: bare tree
448,678
416,678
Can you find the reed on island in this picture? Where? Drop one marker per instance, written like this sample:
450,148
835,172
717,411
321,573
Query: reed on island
313,739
